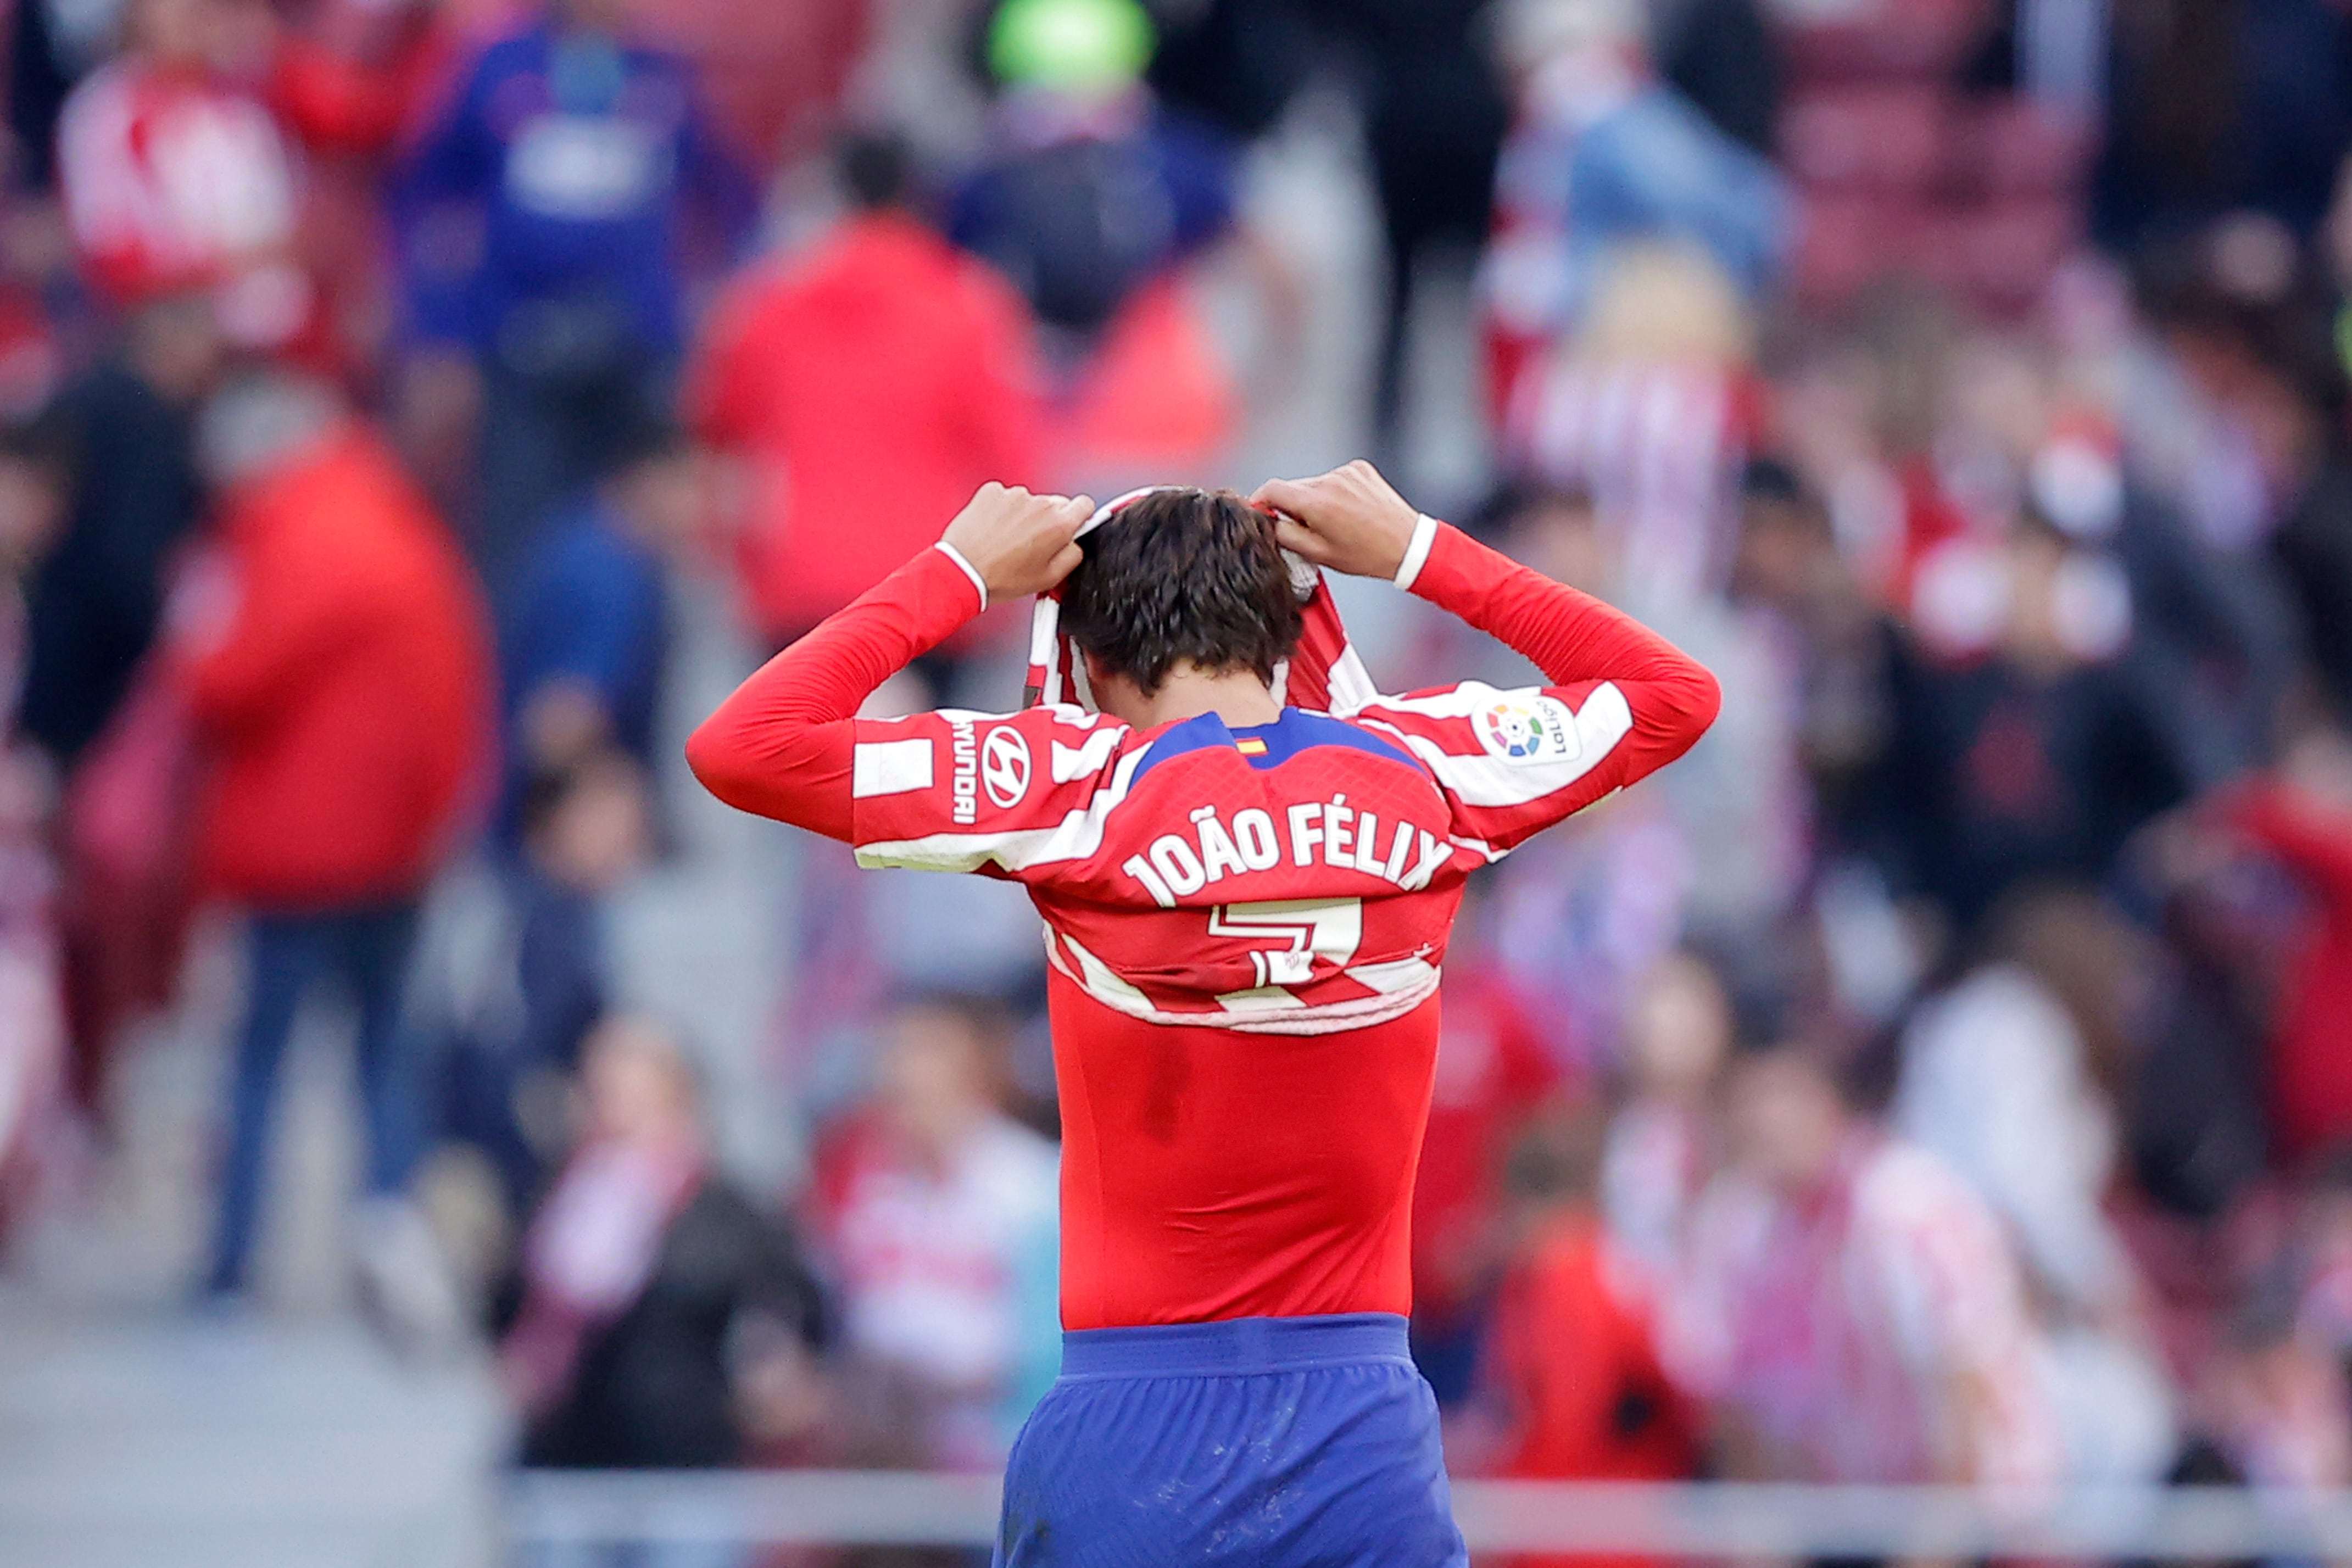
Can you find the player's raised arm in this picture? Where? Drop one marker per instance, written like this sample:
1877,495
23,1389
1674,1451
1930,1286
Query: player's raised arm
784,746
1621,701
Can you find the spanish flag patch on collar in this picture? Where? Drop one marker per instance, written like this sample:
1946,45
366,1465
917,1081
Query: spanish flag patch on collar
1251,747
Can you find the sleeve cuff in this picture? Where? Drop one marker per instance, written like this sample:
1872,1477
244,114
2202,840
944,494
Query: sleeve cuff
978,582
1416,553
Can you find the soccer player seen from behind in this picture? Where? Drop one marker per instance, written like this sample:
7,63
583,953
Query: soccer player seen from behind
1246,906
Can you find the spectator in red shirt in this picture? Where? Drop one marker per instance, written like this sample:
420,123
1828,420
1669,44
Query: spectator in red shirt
347,79
866,389
1572,1372
1493,1072
334,655
2302,816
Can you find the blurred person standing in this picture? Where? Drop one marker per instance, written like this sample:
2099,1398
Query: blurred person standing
937,1216
177,179
2021,748
515,966
1851,1307
94,603
348,79
1582,913
1601,155
1096,202
585,619
1574,1380
2274,1401
2004,1073
2009,1076
1433,120
333,654
2256,456
1644,412
1647,406
1789,574
1716,849
1661,1142
1494,1072
858,390
90,698
549,204
666,1321
2299,816
2216,108
35,476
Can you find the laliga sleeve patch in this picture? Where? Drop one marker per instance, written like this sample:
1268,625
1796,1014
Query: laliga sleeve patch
1004,766
1527,727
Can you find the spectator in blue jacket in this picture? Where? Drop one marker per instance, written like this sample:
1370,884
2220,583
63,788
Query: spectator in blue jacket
549,209
583,618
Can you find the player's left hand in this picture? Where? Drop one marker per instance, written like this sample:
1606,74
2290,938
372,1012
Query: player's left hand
1019,543
1350,519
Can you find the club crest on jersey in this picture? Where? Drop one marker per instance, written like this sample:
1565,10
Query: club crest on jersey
1527,729
1004,766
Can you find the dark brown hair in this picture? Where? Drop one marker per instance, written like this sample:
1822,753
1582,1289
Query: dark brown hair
1183,575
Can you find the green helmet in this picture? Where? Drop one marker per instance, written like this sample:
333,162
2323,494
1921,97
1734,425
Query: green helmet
1071,46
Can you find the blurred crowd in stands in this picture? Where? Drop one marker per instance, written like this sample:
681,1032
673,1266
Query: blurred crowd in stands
1943,1074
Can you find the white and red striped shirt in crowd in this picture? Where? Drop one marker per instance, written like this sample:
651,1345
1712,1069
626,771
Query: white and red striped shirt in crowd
176,183
1876,1331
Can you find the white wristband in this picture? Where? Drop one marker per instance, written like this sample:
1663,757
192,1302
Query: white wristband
970,570
1416,553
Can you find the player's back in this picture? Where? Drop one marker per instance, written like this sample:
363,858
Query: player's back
1247,928
1245,1022
1284,878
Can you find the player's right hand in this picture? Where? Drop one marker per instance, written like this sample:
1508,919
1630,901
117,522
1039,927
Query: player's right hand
1020,544
1350,519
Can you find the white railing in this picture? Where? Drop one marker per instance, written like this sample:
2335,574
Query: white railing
908,1507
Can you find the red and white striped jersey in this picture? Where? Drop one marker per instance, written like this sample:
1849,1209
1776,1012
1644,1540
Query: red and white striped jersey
1294,878
1246,925
173,183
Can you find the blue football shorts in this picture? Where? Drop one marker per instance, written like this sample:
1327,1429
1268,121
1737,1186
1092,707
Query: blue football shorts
1276,1442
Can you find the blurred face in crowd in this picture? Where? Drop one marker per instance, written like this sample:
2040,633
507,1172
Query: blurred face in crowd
1680,1029
666,499
242,37
2285,430
2035,637
231,36
599,834
32,511
171,32
1554,1166
636,1084
593,16
1788,1121
1999,397
177,346
1782,543
1559,537
2319,763
935,1082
